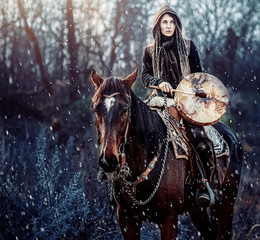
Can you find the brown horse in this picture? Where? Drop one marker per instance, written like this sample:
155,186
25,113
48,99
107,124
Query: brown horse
148,181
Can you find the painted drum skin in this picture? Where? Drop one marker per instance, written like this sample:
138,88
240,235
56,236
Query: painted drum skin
198,110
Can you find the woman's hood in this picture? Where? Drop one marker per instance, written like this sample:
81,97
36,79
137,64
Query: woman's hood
160,13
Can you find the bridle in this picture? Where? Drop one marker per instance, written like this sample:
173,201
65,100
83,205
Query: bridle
121,149
123,170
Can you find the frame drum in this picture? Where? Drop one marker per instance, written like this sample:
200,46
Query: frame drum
199,110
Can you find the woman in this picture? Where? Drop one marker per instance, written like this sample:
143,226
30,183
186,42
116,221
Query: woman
165,63
171,57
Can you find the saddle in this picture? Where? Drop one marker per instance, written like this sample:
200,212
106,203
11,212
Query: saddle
178,137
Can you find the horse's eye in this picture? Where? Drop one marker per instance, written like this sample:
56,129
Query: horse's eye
125,109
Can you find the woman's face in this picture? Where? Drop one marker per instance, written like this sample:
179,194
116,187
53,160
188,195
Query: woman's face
167,25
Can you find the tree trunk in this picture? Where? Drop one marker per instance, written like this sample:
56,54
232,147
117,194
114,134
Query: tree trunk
72,45
3,66
114,45
38,56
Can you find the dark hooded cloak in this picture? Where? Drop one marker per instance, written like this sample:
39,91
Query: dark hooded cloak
169,59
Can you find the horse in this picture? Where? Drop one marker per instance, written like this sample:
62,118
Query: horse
148,181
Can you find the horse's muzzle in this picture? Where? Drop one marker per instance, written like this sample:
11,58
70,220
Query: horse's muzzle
108,165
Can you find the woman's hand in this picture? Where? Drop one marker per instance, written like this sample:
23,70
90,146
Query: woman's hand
165,87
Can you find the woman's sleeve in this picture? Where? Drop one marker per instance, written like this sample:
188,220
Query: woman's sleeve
147,71
194,59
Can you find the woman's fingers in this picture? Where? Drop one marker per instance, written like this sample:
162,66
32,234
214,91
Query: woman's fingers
165,87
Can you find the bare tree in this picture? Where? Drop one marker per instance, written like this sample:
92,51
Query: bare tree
117,38
3,67
37,50
72,44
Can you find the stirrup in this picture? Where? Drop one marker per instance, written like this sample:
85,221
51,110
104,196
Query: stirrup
211,194
212,198
207,198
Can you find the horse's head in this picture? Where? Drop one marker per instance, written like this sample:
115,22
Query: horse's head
111,104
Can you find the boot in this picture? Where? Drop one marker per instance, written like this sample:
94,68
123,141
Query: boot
204,148
207,155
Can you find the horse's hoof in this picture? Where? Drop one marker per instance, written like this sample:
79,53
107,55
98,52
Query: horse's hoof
203,199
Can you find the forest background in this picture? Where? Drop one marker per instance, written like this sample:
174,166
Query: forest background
48,140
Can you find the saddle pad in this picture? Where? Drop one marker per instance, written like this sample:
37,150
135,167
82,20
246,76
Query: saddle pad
220,145
158,102
180,147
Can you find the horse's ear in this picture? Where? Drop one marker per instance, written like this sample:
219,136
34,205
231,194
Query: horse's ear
130,79
96,79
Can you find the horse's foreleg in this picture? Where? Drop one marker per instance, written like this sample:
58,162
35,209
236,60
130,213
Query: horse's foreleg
225,216
225,209
207,227
129,225
168,226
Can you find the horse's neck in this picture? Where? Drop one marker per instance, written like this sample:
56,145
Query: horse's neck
143,139
136,154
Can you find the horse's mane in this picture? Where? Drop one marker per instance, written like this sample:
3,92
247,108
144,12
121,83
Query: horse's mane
147,120
146,125
112,85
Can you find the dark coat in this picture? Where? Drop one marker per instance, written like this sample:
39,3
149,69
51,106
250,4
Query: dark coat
147,71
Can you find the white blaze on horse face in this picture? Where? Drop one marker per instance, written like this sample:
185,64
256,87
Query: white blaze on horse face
109,103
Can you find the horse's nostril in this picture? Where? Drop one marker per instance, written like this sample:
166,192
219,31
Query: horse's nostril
109,164
114,162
